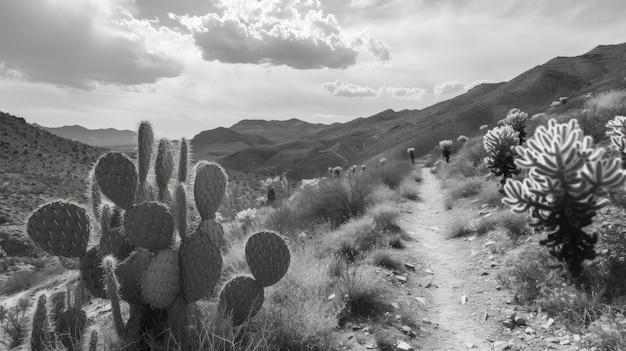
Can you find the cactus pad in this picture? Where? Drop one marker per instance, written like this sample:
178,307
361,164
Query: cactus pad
92,273
213,230
60,228
114,242
161,281
117,177
209,188
268,257
201,264
149,225
241,298
129,274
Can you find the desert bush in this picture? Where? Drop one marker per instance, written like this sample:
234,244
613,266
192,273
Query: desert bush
335,200
409,189
472,151
460,224
363,297
575,307
386,259
528,273
490,193
13,320
391,174
608,332
464,188
385,217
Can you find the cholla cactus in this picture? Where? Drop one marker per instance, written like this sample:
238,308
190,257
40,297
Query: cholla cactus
462,139
500,145
337,171
617,132
383,161
566,185
518,120
446,149
411,152
483,127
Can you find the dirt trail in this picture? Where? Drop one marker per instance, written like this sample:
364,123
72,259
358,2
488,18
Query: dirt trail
457,270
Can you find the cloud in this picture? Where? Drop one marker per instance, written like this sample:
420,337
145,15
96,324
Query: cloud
295,33
80,43
345,89
446,88
454,86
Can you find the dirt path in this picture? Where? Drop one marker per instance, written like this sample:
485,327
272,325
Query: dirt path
457,271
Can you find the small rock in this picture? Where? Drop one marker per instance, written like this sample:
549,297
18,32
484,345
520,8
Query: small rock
469,345
356,327
509,324
409,266
370,346
550,322
395,305
421,300
429,271
403,346
565,342
501,345
520,321
331,296
498,288
401,278
426,321
406,329
552,339
529,330
576,337
463,300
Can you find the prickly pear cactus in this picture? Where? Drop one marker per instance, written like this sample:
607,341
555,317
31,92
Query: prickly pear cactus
566,185
241,298
268,257
518,120
145,267
500,145
117,177
60,228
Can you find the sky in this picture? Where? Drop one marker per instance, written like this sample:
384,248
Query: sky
193,65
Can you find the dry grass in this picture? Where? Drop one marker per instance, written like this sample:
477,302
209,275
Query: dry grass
409,189
364,298
460,224
386,259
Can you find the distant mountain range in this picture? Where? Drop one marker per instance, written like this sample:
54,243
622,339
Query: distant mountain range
108,138
304,149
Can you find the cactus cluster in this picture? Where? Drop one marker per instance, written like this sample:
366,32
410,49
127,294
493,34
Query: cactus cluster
411,152
566,184
499,143
617,132
138,257
446,149
518,120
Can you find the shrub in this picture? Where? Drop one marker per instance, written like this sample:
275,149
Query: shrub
363,297
528,272
490,193
13,321
385,217
409,190
390,174
576,308
464,188
609,332
458,225
335,200
386,259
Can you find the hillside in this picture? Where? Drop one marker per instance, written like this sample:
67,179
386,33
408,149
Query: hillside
390,132
36,166
109,138
278,131
215,143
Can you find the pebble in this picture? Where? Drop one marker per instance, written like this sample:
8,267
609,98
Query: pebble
403,346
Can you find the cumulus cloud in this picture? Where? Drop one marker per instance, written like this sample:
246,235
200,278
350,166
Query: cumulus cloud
295,33
454,86
446,88
345,89
80,43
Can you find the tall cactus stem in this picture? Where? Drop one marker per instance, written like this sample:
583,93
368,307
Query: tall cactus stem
180,210
113,293
183,161
40,335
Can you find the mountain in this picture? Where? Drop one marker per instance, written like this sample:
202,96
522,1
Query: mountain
391,132
278,131
219,142
109,138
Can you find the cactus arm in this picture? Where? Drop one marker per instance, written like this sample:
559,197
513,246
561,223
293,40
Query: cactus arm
113,293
